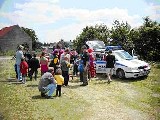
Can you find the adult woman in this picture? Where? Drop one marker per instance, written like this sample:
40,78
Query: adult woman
91,63
43,63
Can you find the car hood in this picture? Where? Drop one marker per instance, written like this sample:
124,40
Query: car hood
133,63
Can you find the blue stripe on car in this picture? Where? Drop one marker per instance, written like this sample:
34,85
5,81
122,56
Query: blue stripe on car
121,64
104,62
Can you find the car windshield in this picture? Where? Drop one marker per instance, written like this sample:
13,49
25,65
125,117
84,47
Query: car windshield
124,55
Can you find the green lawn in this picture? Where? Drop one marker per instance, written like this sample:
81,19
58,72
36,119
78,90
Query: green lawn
23,102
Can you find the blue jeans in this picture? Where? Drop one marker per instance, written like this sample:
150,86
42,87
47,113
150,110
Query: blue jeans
19,73
50,89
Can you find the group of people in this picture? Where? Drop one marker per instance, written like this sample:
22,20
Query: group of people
26,65
55,69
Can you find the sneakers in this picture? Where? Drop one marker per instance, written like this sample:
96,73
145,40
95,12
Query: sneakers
48,97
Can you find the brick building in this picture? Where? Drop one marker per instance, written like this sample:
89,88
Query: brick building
11,37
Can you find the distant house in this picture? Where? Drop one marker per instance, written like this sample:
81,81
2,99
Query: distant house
11,37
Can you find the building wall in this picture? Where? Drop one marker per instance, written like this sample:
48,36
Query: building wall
13,38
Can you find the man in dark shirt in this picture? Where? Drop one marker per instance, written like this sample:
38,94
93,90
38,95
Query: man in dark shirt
85,59
110,62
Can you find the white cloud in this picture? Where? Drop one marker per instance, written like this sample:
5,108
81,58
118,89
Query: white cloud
68,32
155,12
39,13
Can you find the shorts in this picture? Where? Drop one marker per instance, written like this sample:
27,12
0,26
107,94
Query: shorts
109,71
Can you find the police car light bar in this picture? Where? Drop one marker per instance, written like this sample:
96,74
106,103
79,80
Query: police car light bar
113,48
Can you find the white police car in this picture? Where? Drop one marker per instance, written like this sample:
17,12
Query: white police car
126,66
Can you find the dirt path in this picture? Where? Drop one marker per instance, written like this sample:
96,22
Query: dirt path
104,102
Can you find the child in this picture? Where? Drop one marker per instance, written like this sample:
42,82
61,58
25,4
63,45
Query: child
34,65
23,69
65,65
60,81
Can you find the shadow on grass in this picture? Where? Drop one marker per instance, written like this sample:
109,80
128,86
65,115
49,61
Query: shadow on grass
74,86
11,79
16,83
103,79
100,82
128,80
32,86
37,97
8,80
4,81
74,81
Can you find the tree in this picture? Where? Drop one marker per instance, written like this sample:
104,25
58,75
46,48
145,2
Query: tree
147,43
33,36
100,32
120,33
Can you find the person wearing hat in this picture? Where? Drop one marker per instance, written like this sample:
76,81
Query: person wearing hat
110,63
19,56
47,84
85,59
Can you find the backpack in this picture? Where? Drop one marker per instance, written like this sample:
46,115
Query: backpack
81,66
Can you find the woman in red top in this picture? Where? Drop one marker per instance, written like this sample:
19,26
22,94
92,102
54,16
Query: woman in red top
43,63
91,64
23,69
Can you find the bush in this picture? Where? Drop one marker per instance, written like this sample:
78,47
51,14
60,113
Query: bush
7,53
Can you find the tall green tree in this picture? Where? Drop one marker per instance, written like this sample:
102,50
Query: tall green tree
148,40
32,34
100,32
120,35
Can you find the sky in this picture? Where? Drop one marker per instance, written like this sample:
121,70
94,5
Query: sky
53,20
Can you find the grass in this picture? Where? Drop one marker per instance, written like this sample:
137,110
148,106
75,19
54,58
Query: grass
23,102
150,88
148,92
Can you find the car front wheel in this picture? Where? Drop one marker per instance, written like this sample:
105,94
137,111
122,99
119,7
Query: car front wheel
120,73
